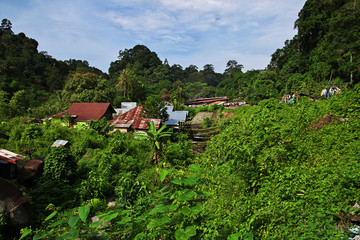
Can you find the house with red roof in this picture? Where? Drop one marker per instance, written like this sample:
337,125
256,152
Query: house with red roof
80,114
132,120
8,168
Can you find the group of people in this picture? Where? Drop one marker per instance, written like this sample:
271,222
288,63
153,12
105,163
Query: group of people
330,91
234,104
289,98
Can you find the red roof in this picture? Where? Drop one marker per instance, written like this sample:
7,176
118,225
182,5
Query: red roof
87,111
207,100
132,119
10,157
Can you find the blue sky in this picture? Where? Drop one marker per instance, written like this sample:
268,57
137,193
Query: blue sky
185,32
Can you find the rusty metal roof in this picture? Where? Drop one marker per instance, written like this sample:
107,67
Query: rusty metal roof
87,111
206,100
9,156
132,119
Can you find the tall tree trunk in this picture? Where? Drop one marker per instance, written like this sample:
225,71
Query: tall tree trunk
351,74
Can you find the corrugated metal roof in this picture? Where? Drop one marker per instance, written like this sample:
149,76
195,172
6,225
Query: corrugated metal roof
176,116
125,106
59,143
87,111
132,118
169,109
128,105
9,156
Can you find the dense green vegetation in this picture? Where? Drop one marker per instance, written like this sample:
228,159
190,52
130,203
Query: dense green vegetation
275,170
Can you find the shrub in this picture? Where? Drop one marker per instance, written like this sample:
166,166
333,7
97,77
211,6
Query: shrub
60,164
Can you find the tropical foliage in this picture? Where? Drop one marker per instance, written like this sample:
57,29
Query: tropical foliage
274,171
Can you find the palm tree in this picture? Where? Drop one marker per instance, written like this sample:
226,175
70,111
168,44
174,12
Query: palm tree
124,84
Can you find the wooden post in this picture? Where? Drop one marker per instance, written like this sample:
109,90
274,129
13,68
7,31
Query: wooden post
297,96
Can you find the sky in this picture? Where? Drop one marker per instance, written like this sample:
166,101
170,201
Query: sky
185,32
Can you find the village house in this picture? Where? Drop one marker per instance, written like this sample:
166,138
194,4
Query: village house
8,167
132,120
80,114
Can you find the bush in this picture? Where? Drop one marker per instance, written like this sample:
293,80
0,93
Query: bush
60,164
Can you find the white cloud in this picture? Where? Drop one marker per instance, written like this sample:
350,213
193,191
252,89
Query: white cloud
186,32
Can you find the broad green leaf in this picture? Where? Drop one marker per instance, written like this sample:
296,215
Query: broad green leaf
73,220
182,234
40,236
50,216
71,235
26,232
196,209
140,236
57,223
159,209
191,211
190,181
186,196
164,173
95,224
177,181
248,236
186,211
194,167
84,212
110,217
158,222
234,236
124,220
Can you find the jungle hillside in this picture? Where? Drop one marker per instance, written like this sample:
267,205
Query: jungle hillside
273,170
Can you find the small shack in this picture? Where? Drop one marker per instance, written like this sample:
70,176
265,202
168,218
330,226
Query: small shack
8,167
61,143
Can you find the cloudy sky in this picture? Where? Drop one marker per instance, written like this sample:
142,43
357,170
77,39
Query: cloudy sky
184,32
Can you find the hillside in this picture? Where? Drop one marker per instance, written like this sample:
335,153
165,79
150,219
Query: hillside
274,170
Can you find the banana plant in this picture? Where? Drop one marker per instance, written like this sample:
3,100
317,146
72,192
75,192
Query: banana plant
156,137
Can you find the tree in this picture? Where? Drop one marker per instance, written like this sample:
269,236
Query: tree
209,68
19,102
125,80
139,55
87,87
232,67
131,85
6,26
154,107
101,126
